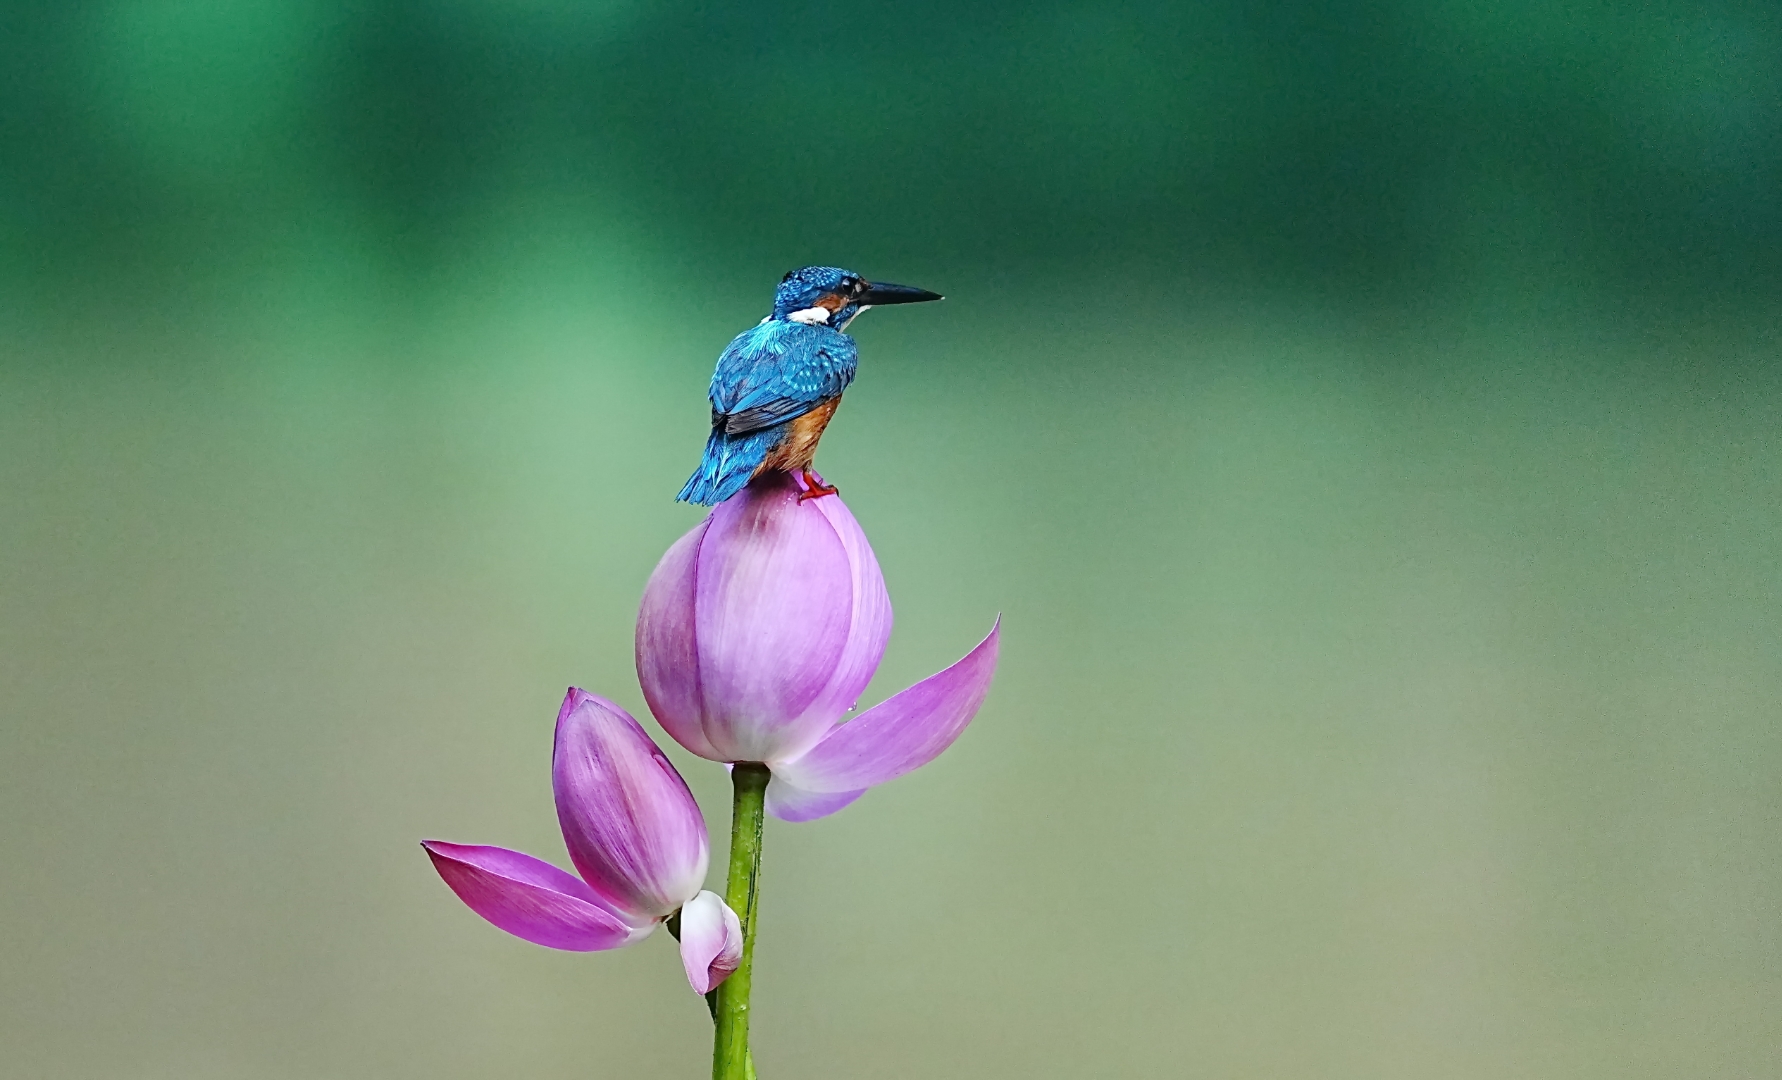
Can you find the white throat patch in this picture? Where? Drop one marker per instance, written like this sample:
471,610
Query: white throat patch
810,315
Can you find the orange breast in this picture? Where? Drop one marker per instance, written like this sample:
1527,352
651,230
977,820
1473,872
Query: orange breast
796,450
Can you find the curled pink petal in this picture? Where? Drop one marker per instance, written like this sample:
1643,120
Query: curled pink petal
869,630
760,627
711,941
904,732
667,646
774,601
633,830
795,804
530,898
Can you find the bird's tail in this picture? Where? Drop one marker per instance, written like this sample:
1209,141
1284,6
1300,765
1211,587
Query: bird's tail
730,460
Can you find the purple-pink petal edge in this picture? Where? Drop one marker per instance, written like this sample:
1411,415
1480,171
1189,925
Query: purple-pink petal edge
530,898
904,732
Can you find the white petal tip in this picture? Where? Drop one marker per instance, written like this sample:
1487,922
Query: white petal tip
711,941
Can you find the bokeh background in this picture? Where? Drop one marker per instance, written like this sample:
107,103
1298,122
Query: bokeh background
1366,417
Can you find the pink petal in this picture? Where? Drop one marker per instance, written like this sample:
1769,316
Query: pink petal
902,733
760,628
667,646
795,804
530,898
868,632
632,828
773,606
711,941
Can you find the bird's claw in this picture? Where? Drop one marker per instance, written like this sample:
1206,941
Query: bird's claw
814,488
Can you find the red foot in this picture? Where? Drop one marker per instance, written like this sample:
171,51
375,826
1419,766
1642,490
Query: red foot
813,487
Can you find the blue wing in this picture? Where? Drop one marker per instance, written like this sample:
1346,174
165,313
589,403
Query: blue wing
770,375
777,371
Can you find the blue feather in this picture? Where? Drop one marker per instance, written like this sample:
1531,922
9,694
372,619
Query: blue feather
777,371
795,361
769,376
730,461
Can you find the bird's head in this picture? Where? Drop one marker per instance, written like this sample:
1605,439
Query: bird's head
831,296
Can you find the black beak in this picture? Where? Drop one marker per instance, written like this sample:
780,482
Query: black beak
879,294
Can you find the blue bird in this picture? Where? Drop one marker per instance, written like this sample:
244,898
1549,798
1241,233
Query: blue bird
778,383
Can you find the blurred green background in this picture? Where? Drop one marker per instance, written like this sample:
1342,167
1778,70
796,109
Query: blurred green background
1366,416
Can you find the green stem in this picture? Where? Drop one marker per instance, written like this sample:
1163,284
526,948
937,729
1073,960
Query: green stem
711,996
730,1048
711,1005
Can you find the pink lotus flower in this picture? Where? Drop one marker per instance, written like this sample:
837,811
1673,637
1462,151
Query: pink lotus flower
759,630
636,837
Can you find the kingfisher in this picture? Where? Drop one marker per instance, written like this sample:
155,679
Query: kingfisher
778,383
